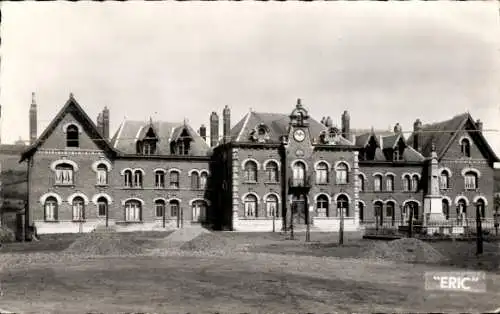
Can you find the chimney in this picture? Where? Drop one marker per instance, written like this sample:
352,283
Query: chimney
105,123
226,114
33,120
397,128
417,127
99,124
479,125
328,122
214,129
203,132
346,122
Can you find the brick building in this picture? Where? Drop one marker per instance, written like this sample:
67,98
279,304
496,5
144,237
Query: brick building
269,171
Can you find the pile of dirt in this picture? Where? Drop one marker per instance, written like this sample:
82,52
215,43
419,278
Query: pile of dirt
177,238
405,250
206,242
104,244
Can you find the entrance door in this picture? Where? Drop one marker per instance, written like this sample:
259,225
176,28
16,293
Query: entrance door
199,209
299,207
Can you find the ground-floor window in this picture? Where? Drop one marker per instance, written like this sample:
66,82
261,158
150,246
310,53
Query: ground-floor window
133,211
250,206
50,209
102,206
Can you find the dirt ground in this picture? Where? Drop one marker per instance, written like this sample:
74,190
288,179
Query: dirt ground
254,282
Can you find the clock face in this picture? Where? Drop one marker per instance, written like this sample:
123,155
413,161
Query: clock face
299,135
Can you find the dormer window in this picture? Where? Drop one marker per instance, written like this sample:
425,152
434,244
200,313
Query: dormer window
465,147
260,133
182,145
72,135
147,146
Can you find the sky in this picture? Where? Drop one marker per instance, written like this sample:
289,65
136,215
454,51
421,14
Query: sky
384,62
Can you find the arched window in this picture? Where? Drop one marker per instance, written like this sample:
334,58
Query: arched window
64,174
195,180
250,171
322,173
361,207
410,209
174,208
174,179
159,208
199,209
137,179
128,178
444,180
159,179
299,173
78,209
272,206
72,136
461,208
272,171
102,174
470,180
480,206
465,147
389,211
203,180
414,183
102,206
377,183
406,183
250,206
389,180
361,183
377,207
342,206
50,209
133,211
341,173
446,208
322,206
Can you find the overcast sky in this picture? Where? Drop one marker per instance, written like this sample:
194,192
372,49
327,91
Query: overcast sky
385,62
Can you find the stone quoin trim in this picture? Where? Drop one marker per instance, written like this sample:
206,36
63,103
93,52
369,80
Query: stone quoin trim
264,165
160,170
300,160
445,169
338,163
264,198
462,197
132,199
105,162
325,194
66,125
193,171
244,162
174,199
250,193
199,199
316,164
411,200
468,169
78,194
55,163
44,197
480,197
99,195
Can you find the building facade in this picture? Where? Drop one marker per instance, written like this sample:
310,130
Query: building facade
268,172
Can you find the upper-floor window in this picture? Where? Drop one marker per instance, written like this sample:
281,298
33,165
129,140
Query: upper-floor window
361,179
195,180
137,179
389,183
322,173
64,174
465,147
341,173
414,183
102,174
159,179
272,171
444,180
299,173
397,156
377,183
127,178
470,180
146,147
406,183
250,171
72,135
174,179
203,180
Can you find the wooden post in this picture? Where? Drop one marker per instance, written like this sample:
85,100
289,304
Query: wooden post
410,231
479,232
291,221
164,210
341,235
274,219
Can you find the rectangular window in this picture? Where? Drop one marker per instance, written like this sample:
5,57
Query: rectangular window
102,209
50,211
443,182
341,176
389,184
470,182
159,210
377,185
321,177
174,180
160,180
174,210
132,212
250,209
64,176
102,177
78,211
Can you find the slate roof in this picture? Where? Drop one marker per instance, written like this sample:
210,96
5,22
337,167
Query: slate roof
129,131
277,123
